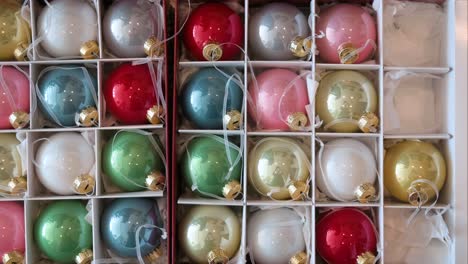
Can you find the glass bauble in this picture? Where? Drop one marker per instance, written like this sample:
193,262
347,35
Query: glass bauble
12,236
17,86
10,159
14,30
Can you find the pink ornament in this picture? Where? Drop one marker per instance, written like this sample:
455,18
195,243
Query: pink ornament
14,94
11,227
279,94
347,28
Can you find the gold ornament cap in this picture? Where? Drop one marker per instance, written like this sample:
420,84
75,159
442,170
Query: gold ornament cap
347,53
368,123
365,192
19,119
89,50
154,255
232,189
89,116
417,198
154,114
18,185
297,189
366,258
300,46
84,184
13,257
212,52
233,120
217,256
297,121
299,258
153,47
84,257
155,181
21,51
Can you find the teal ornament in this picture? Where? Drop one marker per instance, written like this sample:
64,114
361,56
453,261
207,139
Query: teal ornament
65,91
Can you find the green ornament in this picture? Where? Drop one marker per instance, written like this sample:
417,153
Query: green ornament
128,158
206,166
62,232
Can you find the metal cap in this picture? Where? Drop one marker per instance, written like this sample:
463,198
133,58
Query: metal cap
297,121
366,258
232,189
297,189
153,47
156,181
300,46
233,120
368,123
153,115
212,52
89,50
84,257
365,192
13,257
88,116
84,184
19,119
18,185
21,51
299,258
217,256
347,53
154,255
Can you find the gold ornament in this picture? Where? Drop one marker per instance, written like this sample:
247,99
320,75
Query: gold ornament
366,258
89,50
19,119
369,123
300,46
84,257
154,255
299,258
156,181
297,121
232,189
18,185
89,116
84,184
342,98
212,52
14,30
365,192
347,53
153,47
21,51
13,257
233,120
408,161
217,256
153,115
297,190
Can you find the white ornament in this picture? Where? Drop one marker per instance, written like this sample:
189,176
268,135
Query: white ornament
343,166
275,236
65,25
61,158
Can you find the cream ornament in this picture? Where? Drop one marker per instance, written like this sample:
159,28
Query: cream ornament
61,160
343,168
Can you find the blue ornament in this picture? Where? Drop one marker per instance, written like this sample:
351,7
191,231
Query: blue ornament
65,91
203,98
123,217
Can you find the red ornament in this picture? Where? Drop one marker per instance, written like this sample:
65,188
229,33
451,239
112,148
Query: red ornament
344,235
214,23
129,93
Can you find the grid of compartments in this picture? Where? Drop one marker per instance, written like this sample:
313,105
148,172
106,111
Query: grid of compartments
437,129
39,130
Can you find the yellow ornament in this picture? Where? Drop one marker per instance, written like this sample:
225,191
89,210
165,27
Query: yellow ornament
343,97
10,159
14,30
409,161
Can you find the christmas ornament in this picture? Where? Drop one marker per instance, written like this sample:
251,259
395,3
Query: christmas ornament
279,100
12,244
121,221
127,25
274,28
203,98
346,170
11,168
278,168
65,91
275,236
213,32
64,26
14,31
412,169
350,34
14,98
63,159
210,234
129,92
61,231
130,159
346,236
343,98
206,166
